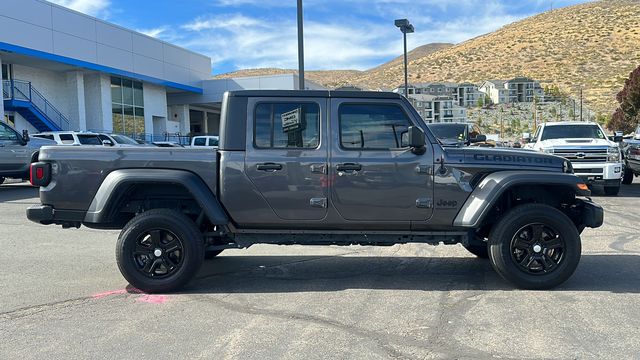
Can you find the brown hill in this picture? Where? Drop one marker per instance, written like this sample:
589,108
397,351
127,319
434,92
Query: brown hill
593,45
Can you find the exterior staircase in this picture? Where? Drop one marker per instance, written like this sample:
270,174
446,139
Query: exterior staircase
21,97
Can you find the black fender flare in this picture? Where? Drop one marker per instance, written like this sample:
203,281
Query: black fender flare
109,192
489,190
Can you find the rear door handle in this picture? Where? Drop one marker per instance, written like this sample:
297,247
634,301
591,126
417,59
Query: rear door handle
349,167
269,167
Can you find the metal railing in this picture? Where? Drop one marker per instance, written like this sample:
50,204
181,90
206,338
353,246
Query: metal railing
24,91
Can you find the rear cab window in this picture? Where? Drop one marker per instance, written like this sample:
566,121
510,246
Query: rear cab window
89,140
67,139
292,125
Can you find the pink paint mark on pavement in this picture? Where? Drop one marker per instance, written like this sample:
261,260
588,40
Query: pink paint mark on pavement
153,299
109,293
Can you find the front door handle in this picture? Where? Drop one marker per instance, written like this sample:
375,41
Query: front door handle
349,167
269,167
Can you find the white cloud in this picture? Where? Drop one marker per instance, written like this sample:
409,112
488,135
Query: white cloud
345,41
90,7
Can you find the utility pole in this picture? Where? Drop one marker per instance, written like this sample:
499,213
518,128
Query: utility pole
581,119
300,48
535,115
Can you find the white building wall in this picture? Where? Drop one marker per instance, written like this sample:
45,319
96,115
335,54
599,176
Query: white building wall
51,84
97,97
76,102
22,124
155,105
1,102
178,119
53,29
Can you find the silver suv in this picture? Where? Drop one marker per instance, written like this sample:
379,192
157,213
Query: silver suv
17,152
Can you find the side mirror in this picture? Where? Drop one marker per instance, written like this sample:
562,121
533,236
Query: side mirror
618,136
416,140
107,143
25,136
479,138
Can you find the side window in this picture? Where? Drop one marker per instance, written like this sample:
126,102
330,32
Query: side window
200,142
287,125
89,140
372,127
213,142
7,133
66,138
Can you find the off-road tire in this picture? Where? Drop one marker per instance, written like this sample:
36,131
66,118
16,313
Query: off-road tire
165,220
479,250
627,178
611,190
503,237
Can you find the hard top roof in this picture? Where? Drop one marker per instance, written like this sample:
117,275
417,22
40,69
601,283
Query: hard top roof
316,93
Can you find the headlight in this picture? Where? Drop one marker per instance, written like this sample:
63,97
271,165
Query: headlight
547,150
613,154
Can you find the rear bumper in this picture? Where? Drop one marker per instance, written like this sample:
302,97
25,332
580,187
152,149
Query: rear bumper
592,214
47,215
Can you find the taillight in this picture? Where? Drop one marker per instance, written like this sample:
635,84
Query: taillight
40,174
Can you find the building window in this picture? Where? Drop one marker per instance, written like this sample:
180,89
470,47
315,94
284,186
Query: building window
287,125
127,104
7,72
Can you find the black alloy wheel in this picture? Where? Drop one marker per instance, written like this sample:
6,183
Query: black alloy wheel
537,249
158,253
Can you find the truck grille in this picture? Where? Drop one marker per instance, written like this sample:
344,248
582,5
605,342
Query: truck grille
588,171
583,155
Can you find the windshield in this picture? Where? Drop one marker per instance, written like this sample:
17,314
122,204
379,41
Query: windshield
121,139
572,132
449,132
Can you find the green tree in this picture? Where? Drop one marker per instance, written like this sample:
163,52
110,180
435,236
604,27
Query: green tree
627,115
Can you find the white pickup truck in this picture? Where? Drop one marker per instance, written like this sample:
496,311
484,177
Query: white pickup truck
594,157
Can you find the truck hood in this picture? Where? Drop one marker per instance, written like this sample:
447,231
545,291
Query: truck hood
504,158
575,142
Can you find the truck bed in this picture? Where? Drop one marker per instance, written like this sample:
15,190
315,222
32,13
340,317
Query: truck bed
79,171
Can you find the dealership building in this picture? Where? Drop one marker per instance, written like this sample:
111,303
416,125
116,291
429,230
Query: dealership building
63,70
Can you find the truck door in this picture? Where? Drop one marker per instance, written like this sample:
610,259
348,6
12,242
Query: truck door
14,155
376,176
286,156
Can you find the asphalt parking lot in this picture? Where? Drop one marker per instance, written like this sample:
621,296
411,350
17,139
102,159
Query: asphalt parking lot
62,296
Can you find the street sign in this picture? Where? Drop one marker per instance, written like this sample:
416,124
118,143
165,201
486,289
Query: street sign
291,120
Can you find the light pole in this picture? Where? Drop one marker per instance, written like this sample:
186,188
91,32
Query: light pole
301,85
405,26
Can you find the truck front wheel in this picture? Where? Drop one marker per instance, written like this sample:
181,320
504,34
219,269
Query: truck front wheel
535,246
160,250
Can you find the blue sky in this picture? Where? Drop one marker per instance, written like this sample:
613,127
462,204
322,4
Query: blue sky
348,34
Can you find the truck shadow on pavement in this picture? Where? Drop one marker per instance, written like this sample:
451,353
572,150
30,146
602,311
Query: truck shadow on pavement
282,274
20,191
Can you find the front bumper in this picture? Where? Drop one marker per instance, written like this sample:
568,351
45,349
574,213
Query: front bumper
592,214
608,174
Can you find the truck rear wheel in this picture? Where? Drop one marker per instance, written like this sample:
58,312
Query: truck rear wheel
159,250
535,246
627,178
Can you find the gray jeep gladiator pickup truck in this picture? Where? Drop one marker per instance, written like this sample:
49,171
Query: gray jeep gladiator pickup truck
319,168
